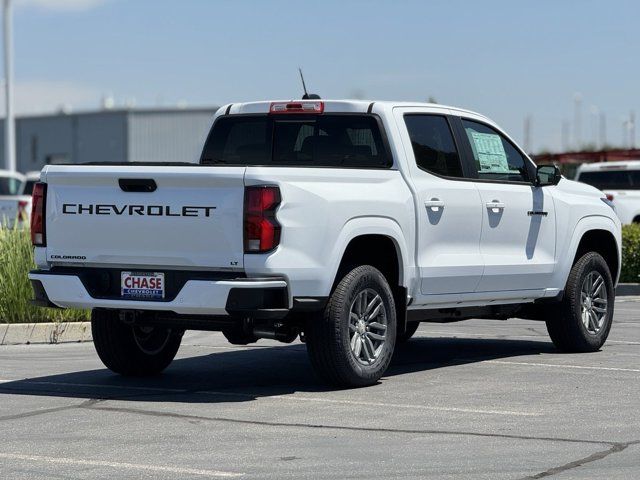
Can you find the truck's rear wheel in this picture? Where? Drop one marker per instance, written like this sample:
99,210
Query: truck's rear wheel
133,350
583,321
352,343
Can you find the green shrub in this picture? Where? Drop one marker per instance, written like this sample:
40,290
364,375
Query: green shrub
630,271
16,259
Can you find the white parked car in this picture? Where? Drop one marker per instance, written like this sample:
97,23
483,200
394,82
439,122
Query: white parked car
31,178
344,222
620,181
15,206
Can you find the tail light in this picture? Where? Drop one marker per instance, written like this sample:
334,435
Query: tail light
22,210
261,229
38,199
609,196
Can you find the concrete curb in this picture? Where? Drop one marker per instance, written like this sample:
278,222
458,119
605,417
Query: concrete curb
626,289
28,333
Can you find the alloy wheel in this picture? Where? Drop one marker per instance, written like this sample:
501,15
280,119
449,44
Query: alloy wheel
593,302
367,326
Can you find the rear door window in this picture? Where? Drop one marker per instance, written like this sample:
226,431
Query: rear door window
348,141
433,145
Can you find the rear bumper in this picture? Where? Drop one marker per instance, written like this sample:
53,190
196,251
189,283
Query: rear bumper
242,297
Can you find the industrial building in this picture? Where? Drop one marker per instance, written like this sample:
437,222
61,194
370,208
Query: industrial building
110,135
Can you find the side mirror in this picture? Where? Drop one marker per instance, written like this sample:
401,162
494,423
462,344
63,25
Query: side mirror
547,175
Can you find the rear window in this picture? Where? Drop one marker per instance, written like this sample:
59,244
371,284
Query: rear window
347,141
10,186
612,179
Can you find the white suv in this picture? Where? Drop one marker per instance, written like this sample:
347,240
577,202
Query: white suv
620,181
344,222
15,205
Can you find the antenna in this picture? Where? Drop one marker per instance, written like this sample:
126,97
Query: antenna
307,96
304,87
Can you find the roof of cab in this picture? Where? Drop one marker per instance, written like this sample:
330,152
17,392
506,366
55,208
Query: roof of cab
10,174
342,106
618,165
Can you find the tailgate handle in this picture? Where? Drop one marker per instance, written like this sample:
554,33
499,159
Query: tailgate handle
137,184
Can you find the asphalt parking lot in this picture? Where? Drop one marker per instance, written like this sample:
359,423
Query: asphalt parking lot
477,399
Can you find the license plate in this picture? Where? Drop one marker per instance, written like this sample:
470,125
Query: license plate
145,285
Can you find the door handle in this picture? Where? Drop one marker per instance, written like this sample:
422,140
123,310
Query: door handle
495,206
137,184
434,204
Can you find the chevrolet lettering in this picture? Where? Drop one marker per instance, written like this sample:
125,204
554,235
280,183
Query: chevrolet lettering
148,210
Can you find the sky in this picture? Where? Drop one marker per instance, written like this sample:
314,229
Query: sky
508,60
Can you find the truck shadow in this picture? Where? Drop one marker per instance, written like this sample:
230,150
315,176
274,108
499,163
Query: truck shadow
253,372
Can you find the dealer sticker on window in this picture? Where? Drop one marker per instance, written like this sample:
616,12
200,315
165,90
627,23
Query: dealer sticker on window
491,154
144,285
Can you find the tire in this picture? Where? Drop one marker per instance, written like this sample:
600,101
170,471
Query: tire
411,329
567,329
346,322
133,350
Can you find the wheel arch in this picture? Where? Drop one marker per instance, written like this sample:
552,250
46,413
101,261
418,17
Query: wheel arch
604,243
597,234
363,239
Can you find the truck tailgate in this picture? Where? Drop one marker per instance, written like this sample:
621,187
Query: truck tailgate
185,217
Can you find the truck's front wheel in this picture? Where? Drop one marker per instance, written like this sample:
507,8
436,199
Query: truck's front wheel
583,319
132,350
352,343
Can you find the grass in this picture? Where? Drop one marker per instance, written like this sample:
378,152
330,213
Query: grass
16,259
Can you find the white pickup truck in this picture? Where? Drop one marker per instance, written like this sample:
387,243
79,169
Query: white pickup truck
15,206
343,222
620,181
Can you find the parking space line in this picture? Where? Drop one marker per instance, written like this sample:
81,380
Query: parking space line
623,342
377,404
555,365
468,334
120,465
628,299
507,337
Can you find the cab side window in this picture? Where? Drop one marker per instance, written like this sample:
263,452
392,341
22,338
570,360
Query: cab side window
433,144
495,157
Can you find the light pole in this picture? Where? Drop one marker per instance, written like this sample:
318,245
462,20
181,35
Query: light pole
577,118
9,135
